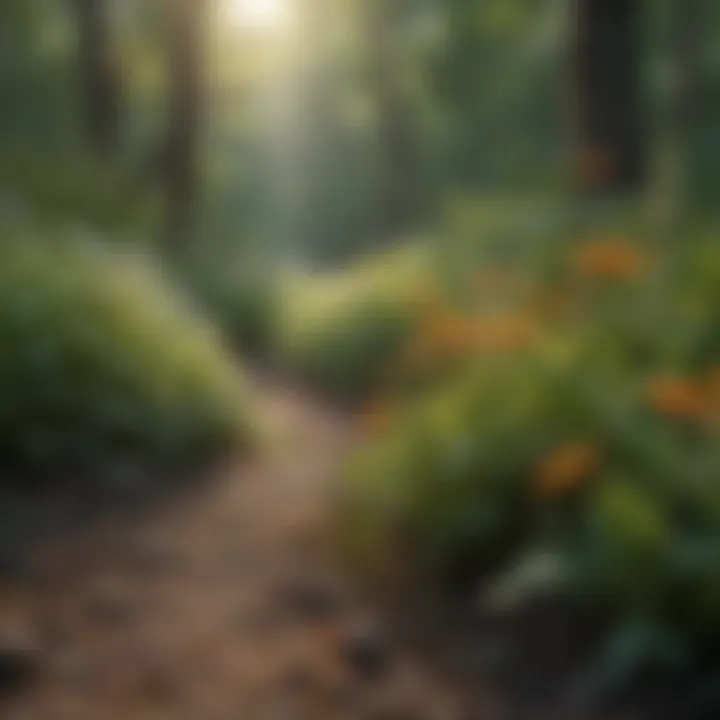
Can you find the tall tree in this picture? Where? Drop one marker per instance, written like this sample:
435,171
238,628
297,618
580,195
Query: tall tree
100,76
610,157
691,17
395,137
184,119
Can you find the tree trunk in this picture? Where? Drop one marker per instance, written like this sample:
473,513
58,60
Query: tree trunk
610,157
393,130
184,120
100,75
688,113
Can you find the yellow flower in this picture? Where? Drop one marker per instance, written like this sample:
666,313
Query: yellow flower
678,398
565,469
611,259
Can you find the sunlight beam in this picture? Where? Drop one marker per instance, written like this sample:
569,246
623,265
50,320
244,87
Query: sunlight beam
259,15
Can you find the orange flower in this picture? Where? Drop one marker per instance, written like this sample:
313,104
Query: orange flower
567,467
452,336
443,334
504,333
678,398
377,417
453,333
612,259
449,336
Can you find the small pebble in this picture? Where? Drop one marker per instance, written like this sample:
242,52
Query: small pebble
19,666
366,651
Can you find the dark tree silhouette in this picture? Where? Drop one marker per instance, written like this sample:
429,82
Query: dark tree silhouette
394,131
689,108
184,119
100,76
610,155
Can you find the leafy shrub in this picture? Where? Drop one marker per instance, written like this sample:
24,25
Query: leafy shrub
456,465
99,362
341,332
241,299
596,434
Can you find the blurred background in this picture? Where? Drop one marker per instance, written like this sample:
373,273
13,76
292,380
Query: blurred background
421,298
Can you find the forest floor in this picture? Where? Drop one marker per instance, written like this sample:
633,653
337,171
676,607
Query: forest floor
223,603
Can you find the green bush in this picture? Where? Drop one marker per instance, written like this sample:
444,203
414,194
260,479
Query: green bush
342,332
241,299
453,468
454,485
100,361
599,440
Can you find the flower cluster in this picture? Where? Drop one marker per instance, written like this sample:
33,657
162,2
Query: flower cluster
686,399
610,259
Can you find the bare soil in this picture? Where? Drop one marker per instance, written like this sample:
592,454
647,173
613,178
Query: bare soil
224,603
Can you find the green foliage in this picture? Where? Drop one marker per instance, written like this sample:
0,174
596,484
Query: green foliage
241,298
342,331
462,458
100,362
74,191
598,440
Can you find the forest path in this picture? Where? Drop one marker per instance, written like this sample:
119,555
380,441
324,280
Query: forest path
220,605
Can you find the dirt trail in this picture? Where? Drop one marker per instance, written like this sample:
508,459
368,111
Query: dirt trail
223,604
220,605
